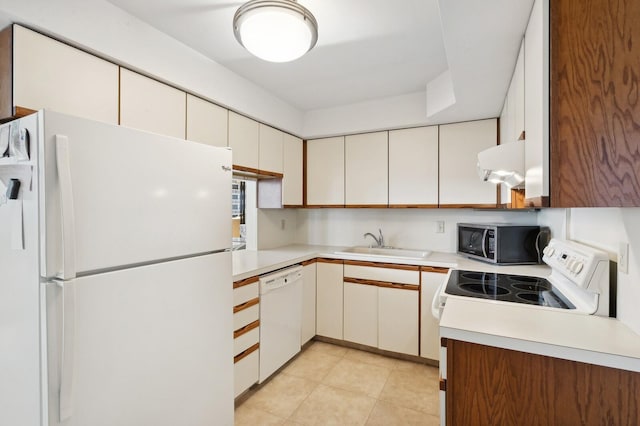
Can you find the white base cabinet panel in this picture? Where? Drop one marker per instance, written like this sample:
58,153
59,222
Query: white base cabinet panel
329,299
398,320
361,314
308,329
429,328
245,372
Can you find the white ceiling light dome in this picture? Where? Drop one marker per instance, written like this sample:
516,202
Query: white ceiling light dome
275,30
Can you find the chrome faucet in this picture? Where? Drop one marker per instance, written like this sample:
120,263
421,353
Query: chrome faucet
379,240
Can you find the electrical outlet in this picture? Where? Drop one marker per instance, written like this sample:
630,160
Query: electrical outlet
623,258
440,227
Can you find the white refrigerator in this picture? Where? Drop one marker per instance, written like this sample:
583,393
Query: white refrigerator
115,276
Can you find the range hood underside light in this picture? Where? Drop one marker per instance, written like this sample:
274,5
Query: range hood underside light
503,164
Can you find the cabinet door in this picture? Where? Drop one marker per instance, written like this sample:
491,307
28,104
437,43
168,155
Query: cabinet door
206,122
429,329
50,74
308,329
413,167
460,185
149,105
536,105
398,320
366,169
292,170
329,299
325,172
270,150
518,96
243,140
361,314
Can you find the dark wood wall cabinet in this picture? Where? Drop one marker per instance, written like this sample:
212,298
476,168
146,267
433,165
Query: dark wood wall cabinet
492,386
595,103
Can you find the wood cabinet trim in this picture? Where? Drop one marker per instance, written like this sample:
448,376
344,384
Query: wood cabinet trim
537,202
324,206
366,206
246,281
443,342
383,284
327,260
247,328
382,265
309,262
251,170
443,385
22,111
412,206
246,353
436,269
246,305
468,206
292,206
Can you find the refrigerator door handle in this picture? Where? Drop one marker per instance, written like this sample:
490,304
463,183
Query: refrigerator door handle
67,207
67,348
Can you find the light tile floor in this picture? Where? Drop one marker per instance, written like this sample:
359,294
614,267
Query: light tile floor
333,385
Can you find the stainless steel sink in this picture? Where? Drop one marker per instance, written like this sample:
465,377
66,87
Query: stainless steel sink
386,252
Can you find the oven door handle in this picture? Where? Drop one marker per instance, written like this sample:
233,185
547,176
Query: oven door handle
484,243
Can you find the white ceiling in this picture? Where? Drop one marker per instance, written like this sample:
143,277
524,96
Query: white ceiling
366,50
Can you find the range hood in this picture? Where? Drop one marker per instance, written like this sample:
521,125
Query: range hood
503,164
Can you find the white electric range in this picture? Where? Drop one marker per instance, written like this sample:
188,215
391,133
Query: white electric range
579,283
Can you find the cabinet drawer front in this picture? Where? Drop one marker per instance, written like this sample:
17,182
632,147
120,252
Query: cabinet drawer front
244,342
382,274
245,372
245,293
246,316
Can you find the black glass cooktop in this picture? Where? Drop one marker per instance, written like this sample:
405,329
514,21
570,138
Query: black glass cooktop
506,288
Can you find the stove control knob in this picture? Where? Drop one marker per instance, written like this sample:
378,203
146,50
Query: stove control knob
577,267
548,251
570,263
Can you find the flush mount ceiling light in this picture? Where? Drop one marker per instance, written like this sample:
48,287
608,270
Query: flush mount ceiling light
275,30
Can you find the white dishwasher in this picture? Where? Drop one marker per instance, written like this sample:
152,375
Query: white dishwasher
280,318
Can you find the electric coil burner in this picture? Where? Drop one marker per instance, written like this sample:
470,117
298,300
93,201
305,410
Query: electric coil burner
578,283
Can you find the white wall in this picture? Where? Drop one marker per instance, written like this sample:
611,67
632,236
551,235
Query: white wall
100,27
272,232
405,228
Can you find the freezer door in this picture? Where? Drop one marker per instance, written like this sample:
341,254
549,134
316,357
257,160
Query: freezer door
145,346
116,196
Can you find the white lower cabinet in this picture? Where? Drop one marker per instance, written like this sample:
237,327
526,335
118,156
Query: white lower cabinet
361,313
246,334
429,330
329,298
381,303
398,320
308,328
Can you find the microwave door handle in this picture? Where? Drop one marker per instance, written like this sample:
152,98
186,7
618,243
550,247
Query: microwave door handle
484,242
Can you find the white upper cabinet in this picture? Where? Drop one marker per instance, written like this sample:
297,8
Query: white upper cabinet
536,63
206,122
149,105
460,143
518,95
292,169
270,151
49,74
367,169
413,166
244,141
325,171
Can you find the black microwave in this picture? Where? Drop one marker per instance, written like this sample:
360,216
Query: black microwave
502,244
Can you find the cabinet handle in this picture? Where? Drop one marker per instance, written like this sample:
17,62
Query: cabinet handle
247,328
246,305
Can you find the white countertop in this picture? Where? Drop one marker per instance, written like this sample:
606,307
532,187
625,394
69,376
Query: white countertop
584,338
577,337
248,263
